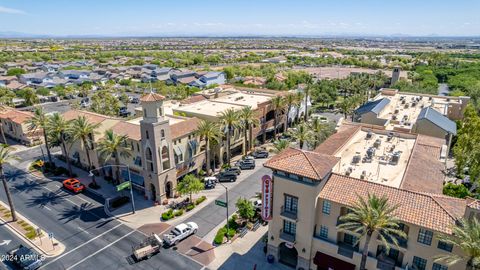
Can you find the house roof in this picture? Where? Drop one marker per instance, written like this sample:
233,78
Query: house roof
129,129
151,97
438,119
14,115
304,163
93,118
187,80
432,211
193,99
373,106
337,140
183,128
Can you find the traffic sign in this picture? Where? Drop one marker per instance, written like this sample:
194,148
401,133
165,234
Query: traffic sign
221,203
123,185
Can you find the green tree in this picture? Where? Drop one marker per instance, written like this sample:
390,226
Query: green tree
15,71
113,145
303,134
458,191
467,147
189,185
465,236
248,120
278,105
210,132
230,121
281,145
58,129
5,157
321,131
38,121
83,131
30,96
6,97
245,208
369,216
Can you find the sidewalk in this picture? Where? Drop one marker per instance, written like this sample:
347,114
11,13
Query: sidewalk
50,247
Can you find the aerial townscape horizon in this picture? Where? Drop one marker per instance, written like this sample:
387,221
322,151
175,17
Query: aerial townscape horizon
236,135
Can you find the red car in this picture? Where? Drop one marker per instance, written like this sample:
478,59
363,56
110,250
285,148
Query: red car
73,185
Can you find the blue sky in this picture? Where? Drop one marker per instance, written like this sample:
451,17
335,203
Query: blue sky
247,17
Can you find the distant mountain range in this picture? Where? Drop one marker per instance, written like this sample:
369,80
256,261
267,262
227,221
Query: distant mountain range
12,34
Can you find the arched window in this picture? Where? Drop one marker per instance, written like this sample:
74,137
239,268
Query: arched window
146,134
145,112
148,154
164,152
162,133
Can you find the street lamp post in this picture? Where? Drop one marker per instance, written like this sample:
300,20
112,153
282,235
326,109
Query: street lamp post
129,179
226,195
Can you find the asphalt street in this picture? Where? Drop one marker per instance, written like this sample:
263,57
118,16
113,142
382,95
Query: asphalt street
212,215
93,240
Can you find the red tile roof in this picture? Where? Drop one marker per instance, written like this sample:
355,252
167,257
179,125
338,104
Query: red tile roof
304,163
151,97
15,115
93,118
184,127
128,129
432,211
331,145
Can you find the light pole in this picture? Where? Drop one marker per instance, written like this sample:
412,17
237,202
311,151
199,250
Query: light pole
129,179
228,226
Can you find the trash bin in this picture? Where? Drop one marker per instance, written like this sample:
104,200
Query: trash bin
270,258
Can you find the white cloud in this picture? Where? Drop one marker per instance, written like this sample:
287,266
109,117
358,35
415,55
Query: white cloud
11,10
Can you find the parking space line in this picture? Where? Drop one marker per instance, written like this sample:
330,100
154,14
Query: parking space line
100,250
85,243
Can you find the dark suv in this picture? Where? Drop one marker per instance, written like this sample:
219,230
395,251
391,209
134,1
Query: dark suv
234,169
260,154
227,176
247,164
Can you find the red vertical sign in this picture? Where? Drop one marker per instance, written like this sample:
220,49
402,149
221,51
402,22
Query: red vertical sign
267,192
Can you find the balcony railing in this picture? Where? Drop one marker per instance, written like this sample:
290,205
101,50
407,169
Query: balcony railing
289,213
402,242
287,236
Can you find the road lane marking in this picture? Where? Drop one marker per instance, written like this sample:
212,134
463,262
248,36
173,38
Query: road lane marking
83,230
70,251
100,250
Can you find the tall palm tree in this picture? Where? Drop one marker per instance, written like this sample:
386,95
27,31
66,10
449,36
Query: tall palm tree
278,104
369,216
113,145
30,97
248,120
321,131
465,236
299,99
230,121
290,101
302,134
39,120
209,132
5,157
281,145
58,129
82,130
307,93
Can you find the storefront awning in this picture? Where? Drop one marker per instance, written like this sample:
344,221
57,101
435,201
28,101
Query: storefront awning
178,150
327,262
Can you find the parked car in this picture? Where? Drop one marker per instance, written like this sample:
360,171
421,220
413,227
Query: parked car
247,165
135,100
260,154
179,233
234,169
227,177
73,185
210,183
25,258
85,102
257,203
123,112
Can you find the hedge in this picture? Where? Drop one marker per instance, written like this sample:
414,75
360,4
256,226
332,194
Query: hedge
179,213
200,200
167,215
220,235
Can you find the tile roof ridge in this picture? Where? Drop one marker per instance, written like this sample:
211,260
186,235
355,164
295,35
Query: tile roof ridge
441,206
310,162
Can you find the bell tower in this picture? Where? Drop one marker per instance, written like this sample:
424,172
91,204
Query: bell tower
158,165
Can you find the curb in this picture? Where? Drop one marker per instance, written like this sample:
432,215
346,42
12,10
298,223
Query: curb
18,233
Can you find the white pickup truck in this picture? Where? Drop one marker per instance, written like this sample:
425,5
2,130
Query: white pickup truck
179,233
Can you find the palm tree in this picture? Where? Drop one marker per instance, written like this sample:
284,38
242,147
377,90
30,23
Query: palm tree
5,157
58,129
281,145
302,134
39,120
321,131
369,216
209,132
230,121
113,145
248,120
299,99
290,101
30,97
278,104
465,236
82,130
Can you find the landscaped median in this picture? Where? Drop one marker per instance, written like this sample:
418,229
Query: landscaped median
181,208
40,240
43,169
